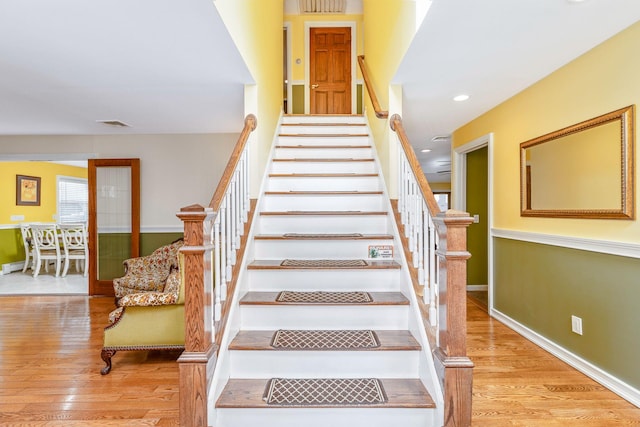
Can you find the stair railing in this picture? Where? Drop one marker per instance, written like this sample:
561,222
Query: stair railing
212,237
380,113
438,244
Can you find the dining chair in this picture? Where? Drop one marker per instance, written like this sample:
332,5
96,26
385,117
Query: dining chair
74,245
46,246
29,256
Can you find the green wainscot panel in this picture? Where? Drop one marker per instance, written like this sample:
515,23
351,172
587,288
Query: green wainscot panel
359,108
542,286
297,103
11,247
114,249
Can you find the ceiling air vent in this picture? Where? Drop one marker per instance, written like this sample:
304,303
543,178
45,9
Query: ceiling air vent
116,123
323,6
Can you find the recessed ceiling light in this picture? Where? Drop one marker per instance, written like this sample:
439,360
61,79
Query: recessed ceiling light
461,97
426,150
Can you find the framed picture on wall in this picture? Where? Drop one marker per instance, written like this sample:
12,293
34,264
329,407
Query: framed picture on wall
27,190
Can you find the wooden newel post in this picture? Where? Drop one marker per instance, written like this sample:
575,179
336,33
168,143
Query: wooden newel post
454,367
198,358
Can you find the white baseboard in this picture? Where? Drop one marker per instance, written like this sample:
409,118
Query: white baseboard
477,288
614,384
12,266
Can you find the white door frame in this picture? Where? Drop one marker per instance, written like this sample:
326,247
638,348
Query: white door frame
459,201
307,49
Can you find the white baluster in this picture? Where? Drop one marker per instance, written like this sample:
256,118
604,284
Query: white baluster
239,223
433,282
421,222
217,268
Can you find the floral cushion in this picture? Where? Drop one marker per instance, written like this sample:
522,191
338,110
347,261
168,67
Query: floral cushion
115,315
148,273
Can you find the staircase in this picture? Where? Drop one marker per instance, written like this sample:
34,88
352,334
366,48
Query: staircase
324,327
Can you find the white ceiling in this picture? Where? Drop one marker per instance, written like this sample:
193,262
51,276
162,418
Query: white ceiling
492,50
161,66
170,66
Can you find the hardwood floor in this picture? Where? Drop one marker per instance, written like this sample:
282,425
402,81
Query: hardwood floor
50,374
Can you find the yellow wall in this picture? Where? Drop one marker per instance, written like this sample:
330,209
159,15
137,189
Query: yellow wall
602,80
298,38
256,28
47,173
389,27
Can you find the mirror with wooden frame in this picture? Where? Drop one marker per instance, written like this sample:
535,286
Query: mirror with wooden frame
582,171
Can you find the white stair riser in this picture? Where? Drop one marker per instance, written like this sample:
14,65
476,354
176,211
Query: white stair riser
323,119
324,364
323,183
336,202
315,249
274,224
258,317
323,167
334,417
323,153
323,140
335,130
324,280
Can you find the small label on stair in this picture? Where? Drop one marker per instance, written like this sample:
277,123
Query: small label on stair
381,251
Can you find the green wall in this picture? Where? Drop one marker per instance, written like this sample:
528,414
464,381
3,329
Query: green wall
542,286
477,204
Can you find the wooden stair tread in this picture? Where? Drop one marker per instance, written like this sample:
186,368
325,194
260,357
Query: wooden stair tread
269,298
276,264
323,146
401,393
322,175
324,135
323,124
322,213
322,193
312,236
327,160
398,340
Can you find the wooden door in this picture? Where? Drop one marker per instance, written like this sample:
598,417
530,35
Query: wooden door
114,220
330,70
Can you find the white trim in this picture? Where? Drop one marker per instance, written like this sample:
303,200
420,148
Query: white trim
631,250
150,229
46,157
459,187
477,288
162,229
297,82
614,384
287,26
328,24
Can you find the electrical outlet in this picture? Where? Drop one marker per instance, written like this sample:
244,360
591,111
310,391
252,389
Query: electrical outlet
576,325
476,218
17,217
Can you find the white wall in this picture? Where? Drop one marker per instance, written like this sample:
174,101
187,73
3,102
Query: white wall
175,170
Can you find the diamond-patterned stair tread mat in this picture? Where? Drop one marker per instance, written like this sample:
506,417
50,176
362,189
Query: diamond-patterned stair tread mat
324,297
324,263
324,236
324,340
324,391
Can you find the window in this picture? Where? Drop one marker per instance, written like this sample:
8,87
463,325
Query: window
73,199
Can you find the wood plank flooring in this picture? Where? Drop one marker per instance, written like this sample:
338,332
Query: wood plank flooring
50,374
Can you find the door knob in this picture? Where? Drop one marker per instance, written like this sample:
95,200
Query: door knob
314,86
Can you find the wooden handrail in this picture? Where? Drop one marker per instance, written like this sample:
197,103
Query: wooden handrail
437,242
427,194
250,123
380,113
213,236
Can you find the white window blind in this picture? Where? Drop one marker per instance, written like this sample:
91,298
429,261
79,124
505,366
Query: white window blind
73,199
